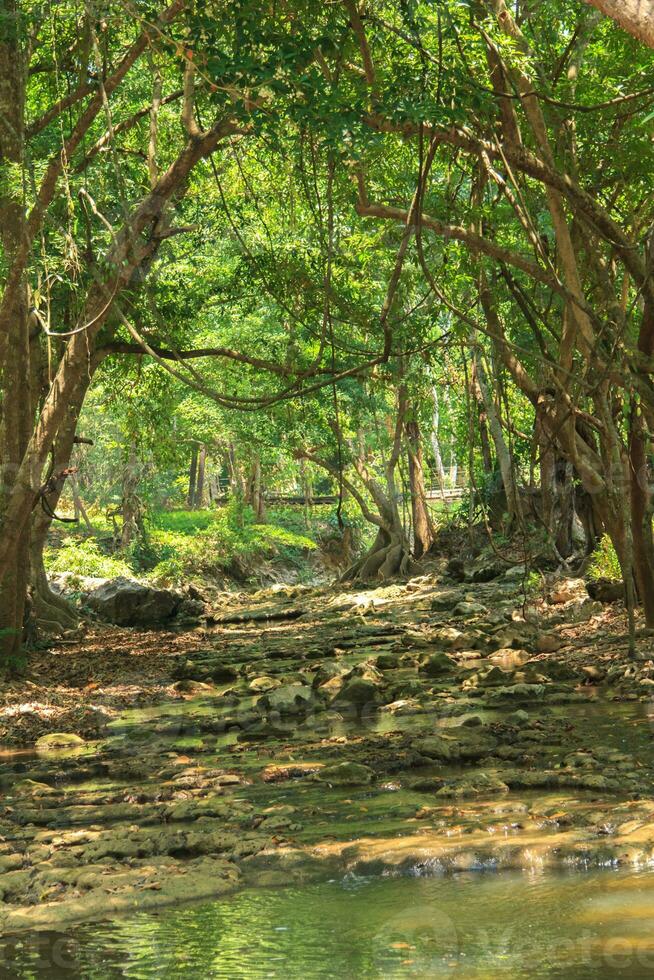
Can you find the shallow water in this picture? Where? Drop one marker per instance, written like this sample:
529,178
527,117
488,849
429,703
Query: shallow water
577,926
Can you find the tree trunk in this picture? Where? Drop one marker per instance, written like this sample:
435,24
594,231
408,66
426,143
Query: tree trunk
557,509
192,477
435,442
634,16
502,453
131,507
199,490
641,515
16,378
255,493
423,531
53,613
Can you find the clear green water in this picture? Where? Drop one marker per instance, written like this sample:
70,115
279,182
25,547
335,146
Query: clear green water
516,926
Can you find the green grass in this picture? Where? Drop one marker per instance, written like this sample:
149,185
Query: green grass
185,522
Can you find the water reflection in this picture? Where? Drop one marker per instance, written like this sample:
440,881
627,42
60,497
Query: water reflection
472,926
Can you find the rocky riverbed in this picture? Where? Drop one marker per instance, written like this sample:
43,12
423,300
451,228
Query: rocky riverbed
419,727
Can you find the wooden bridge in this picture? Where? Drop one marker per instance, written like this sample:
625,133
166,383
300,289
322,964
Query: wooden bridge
446,495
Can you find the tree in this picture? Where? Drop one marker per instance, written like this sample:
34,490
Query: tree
635,16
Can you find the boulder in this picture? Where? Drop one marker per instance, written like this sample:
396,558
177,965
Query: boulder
467,745
367,671
566,590
359,692
58,740
345,774
557,670
456,569
548,643
290,699
518,719
605,590
467,608
124,602
436,665
437,747
480,784
445,600
450,638
488,571
263,684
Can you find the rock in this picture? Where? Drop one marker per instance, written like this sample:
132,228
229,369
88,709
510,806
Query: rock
456,569
437,747
466,608
359,692
473,721
494,677
556,670
518,719
488,572
516,573
367,671
566,590
328,672
58,740
481,784
508,658
605,590
516,692
404,706
548,643
125,602
388,661
436,665
263,684
345,774
298,770
450,638
446,600
290,699
593,673
467,746
189,686
428,784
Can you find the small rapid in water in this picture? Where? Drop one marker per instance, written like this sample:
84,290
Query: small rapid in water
469,926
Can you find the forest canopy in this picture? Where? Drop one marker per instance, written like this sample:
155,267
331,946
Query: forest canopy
358,249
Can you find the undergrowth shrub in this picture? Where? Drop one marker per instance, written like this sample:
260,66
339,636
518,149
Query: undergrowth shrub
231,543
84,557
604,561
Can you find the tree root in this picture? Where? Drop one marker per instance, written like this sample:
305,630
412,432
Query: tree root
388,557
52,614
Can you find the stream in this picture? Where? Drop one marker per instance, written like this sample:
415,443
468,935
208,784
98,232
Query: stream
513,925
335,796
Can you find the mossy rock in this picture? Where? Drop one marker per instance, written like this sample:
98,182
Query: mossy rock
345,774
58,740
437,664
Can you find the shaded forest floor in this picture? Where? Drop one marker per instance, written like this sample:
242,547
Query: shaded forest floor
419,726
